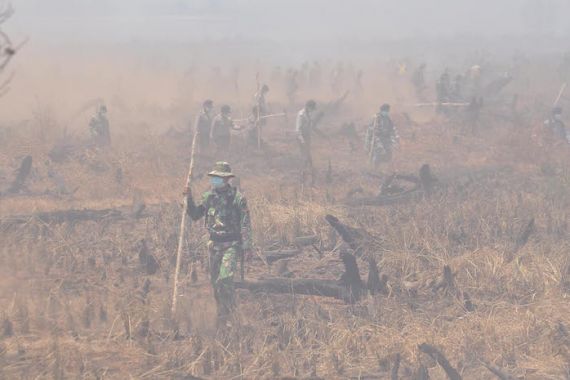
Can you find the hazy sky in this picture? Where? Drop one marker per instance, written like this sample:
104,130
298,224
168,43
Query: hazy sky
282,20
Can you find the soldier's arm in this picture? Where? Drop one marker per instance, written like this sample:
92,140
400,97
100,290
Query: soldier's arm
319,132
194,211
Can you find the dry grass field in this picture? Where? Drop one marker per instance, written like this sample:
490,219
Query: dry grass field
91,299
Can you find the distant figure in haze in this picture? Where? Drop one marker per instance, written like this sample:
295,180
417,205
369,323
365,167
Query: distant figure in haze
381,137
203,124
292,86
419,81
443,87
556,127
304,128
221,132
253,124
99,128
261,101
457,89
358,87
443,90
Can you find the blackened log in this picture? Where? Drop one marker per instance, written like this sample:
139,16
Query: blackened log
59,217
322,288
302,241
386,200
274,256
497,371
349,288
438,356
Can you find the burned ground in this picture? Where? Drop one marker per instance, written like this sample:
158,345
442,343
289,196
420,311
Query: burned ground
475,271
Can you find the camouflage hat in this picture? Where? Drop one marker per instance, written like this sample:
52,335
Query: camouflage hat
221,169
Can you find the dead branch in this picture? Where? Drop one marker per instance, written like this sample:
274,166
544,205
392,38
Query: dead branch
355,238
497,371
274,256
390,193
438,356
396,367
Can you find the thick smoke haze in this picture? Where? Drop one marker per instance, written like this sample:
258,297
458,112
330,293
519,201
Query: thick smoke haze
140,49
56,21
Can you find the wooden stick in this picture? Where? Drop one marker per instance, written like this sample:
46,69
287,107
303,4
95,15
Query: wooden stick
183,224
258,126
562,89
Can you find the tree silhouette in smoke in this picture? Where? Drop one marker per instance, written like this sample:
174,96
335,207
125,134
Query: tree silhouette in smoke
7,48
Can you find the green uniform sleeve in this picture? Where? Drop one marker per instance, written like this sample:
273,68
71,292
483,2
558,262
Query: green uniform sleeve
197,211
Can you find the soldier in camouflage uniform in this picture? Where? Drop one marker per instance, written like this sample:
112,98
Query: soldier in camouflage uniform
99,128
304,129
556,127
221,134
228,223
203,124
261,101
381,137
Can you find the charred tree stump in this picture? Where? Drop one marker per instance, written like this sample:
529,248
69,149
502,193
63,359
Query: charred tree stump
376,283
21,175
427,179
446,282
395,367
351,277
524,235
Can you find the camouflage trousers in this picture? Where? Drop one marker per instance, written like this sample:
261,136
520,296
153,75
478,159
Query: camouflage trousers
381,152
307,168
223,265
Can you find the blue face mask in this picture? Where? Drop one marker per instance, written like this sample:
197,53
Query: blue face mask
384,113
217,182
